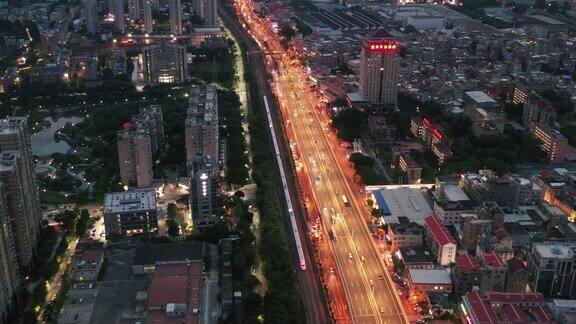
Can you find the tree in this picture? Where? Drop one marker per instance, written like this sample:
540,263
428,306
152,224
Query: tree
83,223
173,228
68,219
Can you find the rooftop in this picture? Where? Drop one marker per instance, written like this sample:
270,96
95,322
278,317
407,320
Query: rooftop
130,201
480,97
413,255
467,263
430,276
92,256
177,288
454,193
438,230
493,259
170,252
402,202
554,251
515,265
494,308
564,303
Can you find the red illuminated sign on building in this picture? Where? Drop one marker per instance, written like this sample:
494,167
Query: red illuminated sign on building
437,134
383,46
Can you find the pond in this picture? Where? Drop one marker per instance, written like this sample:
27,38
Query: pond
43,142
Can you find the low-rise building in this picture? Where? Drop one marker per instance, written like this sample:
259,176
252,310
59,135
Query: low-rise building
130,213
405,234
175,293
440,242
417,257
87,264
381,131
495,238
411,168
563,310
471,228
147,256
450,212
493,272
517,277
502,308
442,152
466,274
79,304
552,142
404,201
423,281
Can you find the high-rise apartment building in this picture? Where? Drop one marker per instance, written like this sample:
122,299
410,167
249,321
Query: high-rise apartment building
134,9
210,14
198,7
135,157
137,143
204,191
150,118
175,10
379,69
165,63
22,200
119,21
148,21
201,126
91,11
25,228
10,282
552,268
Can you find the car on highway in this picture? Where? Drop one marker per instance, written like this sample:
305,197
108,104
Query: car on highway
382,309
350,255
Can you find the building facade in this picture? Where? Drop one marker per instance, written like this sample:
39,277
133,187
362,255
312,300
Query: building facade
411,168
22,200
119,20
175,10
553,270
210,14
204,192
201,126
130,213
165,63
135,157
91,11
440,242
379,69
552,142
134,9
10,282
148,20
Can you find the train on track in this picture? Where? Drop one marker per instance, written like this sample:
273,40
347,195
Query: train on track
296,234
